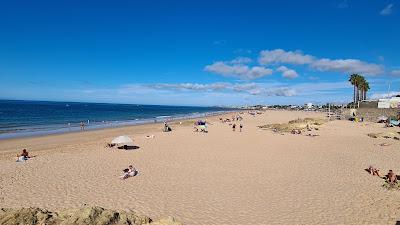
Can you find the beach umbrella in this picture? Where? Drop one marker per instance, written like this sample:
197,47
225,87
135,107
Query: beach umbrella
122,140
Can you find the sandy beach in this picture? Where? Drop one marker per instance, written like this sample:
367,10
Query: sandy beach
222,177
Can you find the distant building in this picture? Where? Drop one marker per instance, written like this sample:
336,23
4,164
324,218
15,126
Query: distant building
386,103
308,105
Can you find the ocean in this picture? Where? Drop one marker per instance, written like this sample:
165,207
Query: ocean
34,118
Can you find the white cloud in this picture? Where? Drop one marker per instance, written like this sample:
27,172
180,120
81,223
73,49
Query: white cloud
347,66
281,56
241,60
395,72
247,88
287,73
387,10
238,71
257,89
287,92
191,86
384,95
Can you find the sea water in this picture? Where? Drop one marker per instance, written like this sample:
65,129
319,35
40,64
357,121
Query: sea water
31,118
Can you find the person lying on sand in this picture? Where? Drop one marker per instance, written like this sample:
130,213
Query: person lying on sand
129,172
373,171
391,177
125,174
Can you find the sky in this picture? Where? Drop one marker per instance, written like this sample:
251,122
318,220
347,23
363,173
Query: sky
201,53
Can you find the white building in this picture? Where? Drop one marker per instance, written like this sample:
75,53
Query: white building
387,103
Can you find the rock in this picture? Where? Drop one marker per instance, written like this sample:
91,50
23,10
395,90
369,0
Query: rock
393,135
83,216
27,216
299,124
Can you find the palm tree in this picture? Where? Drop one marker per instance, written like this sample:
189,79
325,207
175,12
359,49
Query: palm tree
361,86
365,89
355,80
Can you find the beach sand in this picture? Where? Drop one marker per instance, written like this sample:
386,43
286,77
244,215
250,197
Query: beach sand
222,177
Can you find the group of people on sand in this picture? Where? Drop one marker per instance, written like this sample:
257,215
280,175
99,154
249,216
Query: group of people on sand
24,156
234,118
128,172
390,178
200,126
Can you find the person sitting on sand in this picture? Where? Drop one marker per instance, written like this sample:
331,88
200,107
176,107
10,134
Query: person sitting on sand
374,171
23,156
391,177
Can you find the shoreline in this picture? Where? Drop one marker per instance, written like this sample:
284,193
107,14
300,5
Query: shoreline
108,125
104,133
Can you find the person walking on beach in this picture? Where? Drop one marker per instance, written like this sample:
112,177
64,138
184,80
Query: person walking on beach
82,126
233,127
240,127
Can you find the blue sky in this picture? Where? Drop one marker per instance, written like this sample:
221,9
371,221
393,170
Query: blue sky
197,52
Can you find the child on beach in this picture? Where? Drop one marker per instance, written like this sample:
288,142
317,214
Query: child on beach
240,127
233,127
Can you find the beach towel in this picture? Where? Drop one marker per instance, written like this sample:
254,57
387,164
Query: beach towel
21,159
395,122
202,127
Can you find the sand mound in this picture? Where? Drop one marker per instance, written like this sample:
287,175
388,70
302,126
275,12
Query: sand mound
299,124
83,216
393,135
